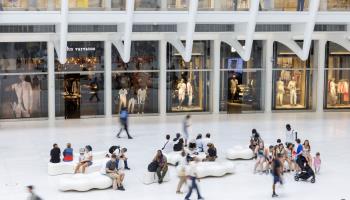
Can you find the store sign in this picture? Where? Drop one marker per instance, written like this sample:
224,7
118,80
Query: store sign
81,49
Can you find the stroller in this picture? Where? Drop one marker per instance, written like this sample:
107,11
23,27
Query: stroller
306,170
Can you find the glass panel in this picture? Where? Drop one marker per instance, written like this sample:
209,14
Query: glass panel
178,4
337,84
23,96
21,5
79,92
289,60
335,5
188,91
144,56
137,91
284,5
240,91
148,4
118,4
230,59
338,57
83,56
23,57
200,57
292,89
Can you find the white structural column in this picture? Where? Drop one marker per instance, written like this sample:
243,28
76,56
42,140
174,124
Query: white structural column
162,78
320,74
108,78
51,79
163,5
215,81
62,28
123,43
188,29
108,4
248,30
268,74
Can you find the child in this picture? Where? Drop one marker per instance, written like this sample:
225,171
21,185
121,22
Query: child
81,152
317,162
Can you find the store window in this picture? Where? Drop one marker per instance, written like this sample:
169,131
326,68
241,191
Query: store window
337,77
292,79
23,80
80,81
188,83
285,5
240,81
135,84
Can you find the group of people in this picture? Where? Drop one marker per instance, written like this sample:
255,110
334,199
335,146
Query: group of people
281,158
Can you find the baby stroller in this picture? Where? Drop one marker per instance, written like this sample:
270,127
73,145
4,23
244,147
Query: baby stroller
306,170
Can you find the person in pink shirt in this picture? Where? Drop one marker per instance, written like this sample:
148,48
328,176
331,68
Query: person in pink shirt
317,162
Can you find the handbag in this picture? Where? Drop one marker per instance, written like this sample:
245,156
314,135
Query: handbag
152,167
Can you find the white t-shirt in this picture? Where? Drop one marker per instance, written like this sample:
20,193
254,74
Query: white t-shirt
206,141
168,147
290,136
87,155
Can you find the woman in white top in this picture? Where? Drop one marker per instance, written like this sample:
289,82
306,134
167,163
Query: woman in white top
86,162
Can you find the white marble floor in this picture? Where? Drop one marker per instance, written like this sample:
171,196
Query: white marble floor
24,149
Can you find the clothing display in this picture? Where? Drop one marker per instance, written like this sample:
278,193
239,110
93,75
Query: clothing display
285,75
141,99
189,93
233,88
131,105
333,92
280,92
292,92
182,92
24,92
122,98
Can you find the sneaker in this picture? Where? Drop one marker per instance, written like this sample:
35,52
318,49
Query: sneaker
274,195
127,168
130,138
121,188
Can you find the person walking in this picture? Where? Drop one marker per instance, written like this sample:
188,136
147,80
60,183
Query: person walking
124,122
193,183
32,195
186,126
277,171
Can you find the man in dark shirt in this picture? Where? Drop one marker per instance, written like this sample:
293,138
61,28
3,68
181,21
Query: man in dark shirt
55,154
114,174
277,173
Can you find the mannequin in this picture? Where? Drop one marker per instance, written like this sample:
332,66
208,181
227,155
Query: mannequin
182,92
333,91
292,86
280,91
189,93
132,102
122,98
24,93
233,87
141,99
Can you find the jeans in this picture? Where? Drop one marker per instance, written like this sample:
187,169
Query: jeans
125,127
193,186
125,164
300,6
161,171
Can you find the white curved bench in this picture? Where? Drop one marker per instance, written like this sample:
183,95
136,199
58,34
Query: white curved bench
173,158
151,177
85,182
238,152
54,169
210,169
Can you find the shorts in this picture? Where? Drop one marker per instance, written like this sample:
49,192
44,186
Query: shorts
89,163
112,175
276,179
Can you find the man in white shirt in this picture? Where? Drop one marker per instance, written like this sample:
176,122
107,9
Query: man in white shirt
290,135
168,145
193,179
206,141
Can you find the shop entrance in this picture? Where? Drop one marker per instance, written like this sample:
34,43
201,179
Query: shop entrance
72,96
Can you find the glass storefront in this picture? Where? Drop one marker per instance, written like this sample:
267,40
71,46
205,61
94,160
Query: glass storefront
292,80
337,76
135,84
80,82
188,83
23,80
240,81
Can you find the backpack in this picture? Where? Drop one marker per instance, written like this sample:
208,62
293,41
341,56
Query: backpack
152,167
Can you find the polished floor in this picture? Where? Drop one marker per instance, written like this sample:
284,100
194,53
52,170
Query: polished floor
24,149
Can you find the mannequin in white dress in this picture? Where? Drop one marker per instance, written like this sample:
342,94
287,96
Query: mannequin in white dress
141,99
24,93
122,98
333,92
182,92
189,92
280,91
292,86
